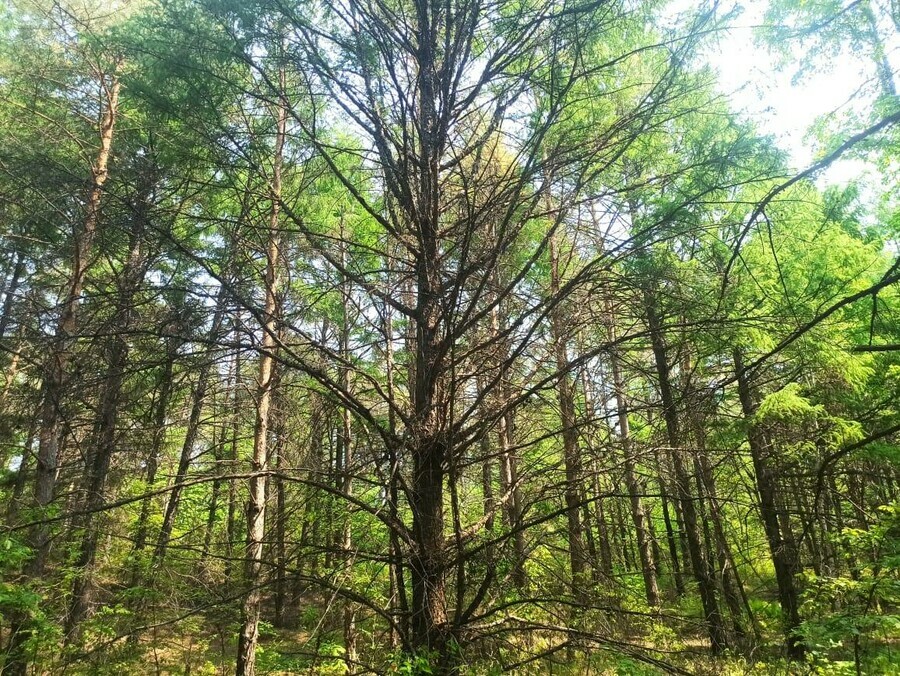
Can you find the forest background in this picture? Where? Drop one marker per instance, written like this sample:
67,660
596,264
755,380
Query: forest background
437,337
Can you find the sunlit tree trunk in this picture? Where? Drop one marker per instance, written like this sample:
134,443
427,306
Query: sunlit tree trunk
55,377
256,506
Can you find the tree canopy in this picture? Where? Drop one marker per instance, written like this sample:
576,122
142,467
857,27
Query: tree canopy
415,337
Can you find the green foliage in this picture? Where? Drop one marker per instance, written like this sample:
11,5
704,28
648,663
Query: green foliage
850,610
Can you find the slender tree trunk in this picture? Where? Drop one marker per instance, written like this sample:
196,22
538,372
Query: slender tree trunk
346,449
231,525
399,598
732,586
281,559
12,513
487,480
55,378
213,508
781,546
571,452
256,507
11,290
198,400
638,513
161,410
702,572
671,534
509,462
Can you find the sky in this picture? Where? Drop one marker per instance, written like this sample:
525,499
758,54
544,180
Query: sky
749,74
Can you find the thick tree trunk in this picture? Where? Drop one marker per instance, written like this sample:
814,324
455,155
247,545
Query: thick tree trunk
429,453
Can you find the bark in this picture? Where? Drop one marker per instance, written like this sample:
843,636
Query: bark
256,506
430,397
429,454
56,370
571,452
429,447
702,571
781,545
638,513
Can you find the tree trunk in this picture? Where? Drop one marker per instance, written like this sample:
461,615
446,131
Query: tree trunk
781,546
231,524
702,573
11,290
399,599
213,507
571,452
346,449
638,513
509,462
280,431
161,410
55,378
256,506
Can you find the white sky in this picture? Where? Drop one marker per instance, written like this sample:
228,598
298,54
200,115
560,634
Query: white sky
786,109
